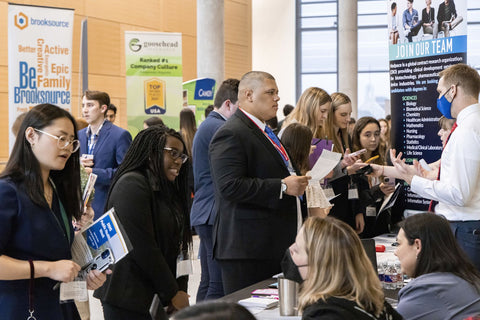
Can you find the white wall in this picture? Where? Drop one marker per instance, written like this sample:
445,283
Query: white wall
273,45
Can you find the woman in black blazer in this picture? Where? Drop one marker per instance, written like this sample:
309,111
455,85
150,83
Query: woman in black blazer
149,194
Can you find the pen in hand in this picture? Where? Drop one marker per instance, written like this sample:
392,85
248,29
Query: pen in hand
372,158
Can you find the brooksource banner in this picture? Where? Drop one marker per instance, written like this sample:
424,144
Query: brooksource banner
154,78
425,38
39,58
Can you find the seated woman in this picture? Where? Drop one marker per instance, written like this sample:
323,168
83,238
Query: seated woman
445,283
340,281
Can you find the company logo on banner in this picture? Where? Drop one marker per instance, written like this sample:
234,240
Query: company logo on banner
424,40
198,94
134,46
154,77
21,21
39,58
204,89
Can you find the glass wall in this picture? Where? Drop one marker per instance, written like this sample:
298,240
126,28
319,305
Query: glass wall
317,63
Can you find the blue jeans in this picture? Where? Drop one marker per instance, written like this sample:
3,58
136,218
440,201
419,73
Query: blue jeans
211,286
467,234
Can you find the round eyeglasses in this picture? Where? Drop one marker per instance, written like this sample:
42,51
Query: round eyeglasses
62,141
175,154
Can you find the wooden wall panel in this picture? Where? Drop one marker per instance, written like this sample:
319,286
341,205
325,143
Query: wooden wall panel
4,127
238,37
78,6
237,23
114,85
3,78
3,33
143,13
180,16
189,57
237,61
104,46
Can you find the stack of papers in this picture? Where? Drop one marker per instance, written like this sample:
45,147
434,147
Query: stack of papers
263,303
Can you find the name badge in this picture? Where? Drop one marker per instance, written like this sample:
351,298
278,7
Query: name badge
184,265
352,194
74,290
371,211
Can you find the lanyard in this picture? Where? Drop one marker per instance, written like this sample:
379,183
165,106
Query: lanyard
278,146
63,213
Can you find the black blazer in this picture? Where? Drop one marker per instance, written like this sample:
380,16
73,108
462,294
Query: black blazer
149,221
252,222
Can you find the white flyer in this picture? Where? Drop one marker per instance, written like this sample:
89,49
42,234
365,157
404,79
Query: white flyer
325,163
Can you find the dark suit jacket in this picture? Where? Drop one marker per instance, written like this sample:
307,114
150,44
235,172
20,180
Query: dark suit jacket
252,222
149,222
112,144
203,203
29,231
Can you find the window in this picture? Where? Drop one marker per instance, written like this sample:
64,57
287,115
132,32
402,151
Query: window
316,45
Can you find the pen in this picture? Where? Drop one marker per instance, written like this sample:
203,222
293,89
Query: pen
315,143
372,158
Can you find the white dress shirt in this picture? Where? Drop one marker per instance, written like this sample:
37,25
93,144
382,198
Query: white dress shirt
458,190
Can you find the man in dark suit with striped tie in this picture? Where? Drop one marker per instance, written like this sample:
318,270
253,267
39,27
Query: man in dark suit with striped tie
256,188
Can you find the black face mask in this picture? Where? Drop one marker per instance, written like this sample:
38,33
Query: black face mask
290,269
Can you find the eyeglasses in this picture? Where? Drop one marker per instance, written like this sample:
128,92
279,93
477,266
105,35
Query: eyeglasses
62,141
175,154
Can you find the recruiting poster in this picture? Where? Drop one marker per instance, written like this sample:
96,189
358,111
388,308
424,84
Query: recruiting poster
154,78
39,58
198,94
425,38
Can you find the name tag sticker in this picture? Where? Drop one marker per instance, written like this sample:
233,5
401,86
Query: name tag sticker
371,212
352,194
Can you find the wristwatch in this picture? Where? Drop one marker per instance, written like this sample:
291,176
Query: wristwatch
284,186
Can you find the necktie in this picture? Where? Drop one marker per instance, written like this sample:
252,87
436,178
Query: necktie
272,136
434,203
281,150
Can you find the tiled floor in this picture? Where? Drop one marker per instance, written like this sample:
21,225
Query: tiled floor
194,280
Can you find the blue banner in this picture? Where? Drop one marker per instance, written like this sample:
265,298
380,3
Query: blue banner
428,48
425,38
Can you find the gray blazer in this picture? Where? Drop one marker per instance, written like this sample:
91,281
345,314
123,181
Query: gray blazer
438,296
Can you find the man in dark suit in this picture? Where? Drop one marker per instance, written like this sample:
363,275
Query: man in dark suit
102,145
202,215
256,188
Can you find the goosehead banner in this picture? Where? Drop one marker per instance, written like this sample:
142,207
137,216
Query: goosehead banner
198,94
425,38
154,78
39,58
